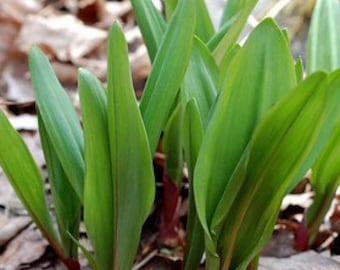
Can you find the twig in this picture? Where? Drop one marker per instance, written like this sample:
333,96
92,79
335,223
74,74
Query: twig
143,262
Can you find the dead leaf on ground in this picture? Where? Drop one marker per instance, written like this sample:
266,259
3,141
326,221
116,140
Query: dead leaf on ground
12,228
114,11
18,9
66,72
26,248
8,32
32,141
6,193
63,36
15,80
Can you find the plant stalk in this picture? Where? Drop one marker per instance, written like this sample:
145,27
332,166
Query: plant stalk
170,215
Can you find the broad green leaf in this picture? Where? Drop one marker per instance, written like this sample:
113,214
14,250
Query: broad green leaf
233,7
219,35
260,73
99,193
25,177
151,24
297,127
172,146
192,139
66,201
333,86
201,78
324,37
324,54
232,25
132,171
168,71
60,119
225,65
204,27
325,180
169,6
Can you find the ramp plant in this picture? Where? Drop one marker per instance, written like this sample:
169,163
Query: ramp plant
256,83
241,118
62,142
326,171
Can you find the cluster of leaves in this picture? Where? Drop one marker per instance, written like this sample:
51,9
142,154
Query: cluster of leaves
245,121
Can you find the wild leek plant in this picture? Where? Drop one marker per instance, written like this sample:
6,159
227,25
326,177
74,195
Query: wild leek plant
250,120
63,146
326,171
242,118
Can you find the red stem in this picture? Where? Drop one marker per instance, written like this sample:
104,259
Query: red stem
170,215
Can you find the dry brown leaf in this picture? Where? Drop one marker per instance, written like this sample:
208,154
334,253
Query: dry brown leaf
6,191
12,228
140,63
66,37
95,65
66,72
8,31
33,143
26,248
139,59
114,11
15,80
18,9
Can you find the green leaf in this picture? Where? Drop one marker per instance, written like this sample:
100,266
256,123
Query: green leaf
172,146
260,73
151,24
324,54
60,119
243,185
225,65
192,139
201,78
25,177
324,37
132,170
299,69
234,19
325,180
99,191
234,7
297,127
169,6
168,71
220,34
66,201
204,27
